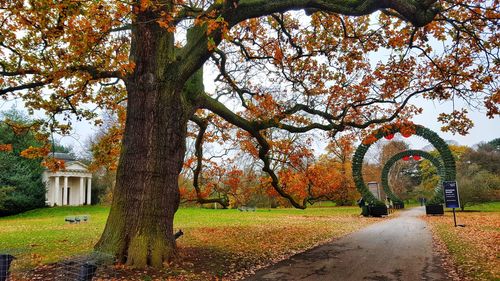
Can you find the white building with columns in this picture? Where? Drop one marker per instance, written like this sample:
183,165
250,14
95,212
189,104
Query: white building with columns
71,186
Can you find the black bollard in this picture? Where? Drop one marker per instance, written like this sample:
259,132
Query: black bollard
178,234
5,261
87,272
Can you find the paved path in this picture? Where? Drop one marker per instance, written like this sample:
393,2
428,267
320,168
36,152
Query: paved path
395,249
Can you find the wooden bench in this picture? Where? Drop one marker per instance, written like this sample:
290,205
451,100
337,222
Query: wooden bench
71,219
77,219
246,209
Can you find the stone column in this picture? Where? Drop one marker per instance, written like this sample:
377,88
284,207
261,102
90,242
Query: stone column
89,192
65,192
82,191
57,195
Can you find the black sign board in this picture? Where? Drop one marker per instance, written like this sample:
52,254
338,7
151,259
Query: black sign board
451,198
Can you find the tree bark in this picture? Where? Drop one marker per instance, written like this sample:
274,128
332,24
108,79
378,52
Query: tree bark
139,230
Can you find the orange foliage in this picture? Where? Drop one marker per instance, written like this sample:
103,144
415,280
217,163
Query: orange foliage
233,179
53,164
370,139
405,128
107,150
6,147
36,152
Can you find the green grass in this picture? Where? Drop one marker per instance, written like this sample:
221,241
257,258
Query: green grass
486,207
411,203
322,204
42,236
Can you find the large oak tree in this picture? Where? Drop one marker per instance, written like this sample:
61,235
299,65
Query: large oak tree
341,64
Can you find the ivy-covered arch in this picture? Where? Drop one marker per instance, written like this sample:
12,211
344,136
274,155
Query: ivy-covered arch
405,129
408,153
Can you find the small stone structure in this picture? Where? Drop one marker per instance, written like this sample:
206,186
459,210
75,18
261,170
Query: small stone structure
71,186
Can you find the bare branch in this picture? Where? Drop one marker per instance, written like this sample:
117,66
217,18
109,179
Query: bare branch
23,87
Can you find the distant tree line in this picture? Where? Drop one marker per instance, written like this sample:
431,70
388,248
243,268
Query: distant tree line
21,186
478,173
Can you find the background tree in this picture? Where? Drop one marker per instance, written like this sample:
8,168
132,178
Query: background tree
340,151
4,197
486,156
495,144
476,185
21,186
102,152
404,175
429,174
478,175
276,71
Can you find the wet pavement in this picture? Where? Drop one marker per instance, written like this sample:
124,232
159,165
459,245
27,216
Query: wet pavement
395,249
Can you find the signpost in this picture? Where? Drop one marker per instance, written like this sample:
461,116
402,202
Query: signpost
451,198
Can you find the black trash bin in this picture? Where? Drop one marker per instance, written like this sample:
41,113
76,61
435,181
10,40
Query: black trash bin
87,272
364,211
435,209
5,261
399,205
378,211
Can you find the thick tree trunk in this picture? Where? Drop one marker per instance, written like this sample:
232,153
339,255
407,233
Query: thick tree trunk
139,230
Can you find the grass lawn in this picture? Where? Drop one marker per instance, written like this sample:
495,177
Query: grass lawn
216,243
475,248
411,203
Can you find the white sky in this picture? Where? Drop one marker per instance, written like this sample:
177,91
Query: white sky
484,129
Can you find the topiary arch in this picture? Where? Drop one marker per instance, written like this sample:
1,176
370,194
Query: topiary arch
388,165
406,129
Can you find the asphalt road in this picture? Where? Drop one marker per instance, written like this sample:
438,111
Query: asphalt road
395,249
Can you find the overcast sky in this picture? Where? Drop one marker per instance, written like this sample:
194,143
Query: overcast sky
484,129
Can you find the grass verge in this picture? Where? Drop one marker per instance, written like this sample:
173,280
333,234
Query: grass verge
225,244
475,248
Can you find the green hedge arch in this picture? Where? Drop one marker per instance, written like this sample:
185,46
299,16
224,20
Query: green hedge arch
388,165
449,169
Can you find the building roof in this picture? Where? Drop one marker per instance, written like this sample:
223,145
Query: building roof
72,166
73,169
63,156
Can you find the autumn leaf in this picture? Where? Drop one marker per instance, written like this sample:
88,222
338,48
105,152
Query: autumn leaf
6,147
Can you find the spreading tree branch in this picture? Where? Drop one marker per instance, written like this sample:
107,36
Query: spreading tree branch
196,51
202,124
